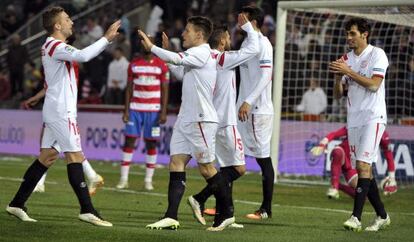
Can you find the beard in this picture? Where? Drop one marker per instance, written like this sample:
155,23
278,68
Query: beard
71,39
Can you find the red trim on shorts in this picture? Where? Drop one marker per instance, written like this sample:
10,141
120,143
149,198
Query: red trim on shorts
265,66
128,150
152,151
254,129
202,133
235,139
150,165
53,48
181,56
376,135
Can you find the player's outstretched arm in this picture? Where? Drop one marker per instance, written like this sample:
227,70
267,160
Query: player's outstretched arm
68,53
232,59
194,59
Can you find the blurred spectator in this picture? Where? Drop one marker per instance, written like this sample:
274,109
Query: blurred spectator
125,24
117,78
123,43
92,31
411,69
16,58
5,89
33,7
314,100
10,22
32,80
154,20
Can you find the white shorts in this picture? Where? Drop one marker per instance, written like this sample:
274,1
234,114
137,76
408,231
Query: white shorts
256,133
229,147
197,139
62,135
364,142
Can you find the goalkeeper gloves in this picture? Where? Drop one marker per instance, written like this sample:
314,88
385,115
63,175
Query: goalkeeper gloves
318,150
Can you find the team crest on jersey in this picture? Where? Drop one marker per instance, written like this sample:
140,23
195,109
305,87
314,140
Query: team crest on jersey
69,49
364,64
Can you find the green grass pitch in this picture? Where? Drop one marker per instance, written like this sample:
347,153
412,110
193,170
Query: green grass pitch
300,213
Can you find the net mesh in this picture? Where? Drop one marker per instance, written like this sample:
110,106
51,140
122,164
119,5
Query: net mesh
315,37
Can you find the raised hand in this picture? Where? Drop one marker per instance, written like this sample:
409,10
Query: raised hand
146,42
112,31
165,41
242,19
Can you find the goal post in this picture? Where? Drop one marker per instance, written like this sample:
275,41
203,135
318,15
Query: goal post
339,7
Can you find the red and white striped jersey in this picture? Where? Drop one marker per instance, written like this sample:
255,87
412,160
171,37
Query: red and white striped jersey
61,78
364,105
147,77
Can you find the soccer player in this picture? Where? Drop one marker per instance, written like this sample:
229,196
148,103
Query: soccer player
94,180
362,71
256,110
196,125
340,161
229,147
146,99
59,114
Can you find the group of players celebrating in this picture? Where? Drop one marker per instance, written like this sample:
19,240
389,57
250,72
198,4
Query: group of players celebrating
211,125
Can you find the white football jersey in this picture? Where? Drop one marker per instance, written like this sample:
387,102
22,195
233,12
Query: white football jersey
225,90
364,105
60,78
256,79
197,68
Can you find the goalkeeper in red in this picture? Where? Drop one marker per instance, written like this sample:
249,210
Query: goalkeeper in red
341,163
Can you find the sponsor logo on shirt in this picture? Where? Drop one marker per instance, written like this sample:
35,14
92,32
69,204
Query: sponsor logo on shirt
69,49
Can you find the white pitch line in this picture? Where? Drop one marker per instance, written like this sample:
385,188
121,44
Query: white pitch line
113,189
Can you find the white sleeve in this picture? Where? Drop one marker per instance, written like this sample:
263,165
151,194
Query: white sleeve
264,75
68,53
193,57
177,71
379,63
324,101
232,59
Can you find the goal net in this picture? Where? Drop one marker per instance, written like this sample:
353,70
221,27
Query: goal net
310,34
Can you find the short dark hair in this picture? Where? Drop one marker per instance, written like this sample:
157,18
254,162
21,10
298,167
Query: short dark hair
216,35
255,13
202,24
49,18
362,25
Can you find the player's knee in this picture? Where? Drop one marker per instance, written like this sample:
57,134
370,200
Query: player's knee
149,145
337,154
129,142
207,170
48,161
364,169
241,170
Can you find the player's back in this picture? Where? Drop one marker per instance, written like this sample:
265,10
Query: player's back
366,106
250,74
60,82
225,96
198,86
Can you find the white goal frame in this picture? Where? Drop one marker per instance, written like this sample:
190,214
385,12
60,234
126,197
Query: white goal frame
282,8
